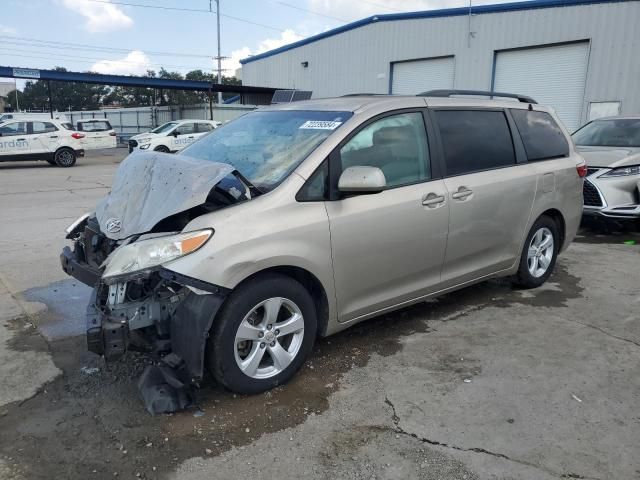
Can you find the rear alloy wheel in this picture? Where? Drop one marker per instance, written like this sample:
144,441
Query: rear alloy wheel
65,157
161,148
262,335
539,254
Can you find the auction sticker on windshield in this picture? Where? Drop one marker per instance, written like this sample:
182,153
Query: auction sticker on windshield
320,125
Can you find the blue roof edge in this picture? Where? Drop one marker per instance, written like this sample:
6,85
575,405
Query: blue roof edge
446,12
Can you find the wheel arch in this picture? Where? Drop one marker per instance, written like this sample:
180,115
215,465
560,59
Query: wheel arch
310,282
559,220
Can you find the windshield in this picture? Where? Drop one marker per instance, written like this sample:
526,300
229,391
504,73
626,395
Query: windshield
266,146
165,127
621,132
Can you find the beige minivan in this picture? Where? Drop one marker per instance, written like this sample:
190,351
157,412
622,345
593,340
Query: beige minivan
299,220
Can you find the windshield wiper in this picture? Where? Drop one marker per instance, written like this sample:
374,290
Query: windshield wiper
255,191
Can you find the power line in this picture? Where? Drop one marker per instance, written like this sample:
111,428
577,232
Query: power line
309,11
96,60
251,22
381,6
81,46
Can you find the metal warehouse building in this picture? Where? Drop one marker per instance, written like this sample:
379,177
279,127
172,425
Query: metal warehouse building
581,57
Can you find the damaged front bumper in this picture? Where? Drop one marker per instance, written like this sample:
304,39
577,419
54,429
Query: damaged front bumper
161,313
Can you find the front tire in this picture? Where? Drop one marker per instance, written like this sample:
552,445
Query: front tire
161,148
263,334
539,253
65,157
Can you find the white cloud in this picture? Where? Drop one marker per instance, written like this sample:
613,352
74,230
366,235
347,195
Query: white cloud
100,17
4,30
233,63
135,63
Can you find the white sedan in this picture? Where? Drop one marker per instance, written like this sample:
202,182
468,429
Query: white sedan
173,136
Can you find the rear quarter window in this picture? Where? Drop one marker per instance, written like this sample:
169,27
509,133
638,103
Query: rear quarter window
475,140
542,137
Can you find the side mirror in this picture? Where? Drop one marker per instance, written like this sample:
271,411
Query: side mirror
362,180
175,133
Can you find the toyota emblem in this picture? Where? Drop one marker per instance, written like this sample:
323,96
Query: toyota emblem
114,225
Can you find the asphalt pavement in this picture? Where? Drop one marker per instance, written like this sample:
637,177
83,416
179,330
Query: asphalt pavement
489,382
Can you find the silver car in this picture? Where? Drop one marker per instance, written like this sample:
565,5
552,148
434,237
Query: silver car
299,220
611,148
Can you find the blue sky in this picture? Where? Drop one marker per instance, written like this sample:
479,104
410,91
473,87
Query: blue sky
140,38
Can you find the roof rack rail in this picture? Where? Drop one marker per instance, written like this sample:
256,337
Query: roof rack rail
450,93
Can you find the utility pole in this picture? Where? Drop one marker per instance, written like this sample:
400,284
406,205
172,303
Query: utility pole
219,57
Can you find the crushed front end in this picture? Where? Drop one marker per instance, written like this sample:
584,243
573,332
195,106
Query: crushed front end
156,311
123,251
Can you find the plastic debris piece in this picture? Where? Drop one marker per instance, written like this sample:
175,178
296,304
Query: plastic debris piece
89,370
198,413
629,242
467,380
576,398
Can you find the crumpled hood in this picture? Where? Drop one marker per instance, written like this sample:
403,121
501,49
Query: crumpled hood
611,157
151,186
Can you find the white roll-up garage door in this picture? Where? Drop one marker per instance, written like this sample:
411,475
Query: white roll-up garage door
553,76
416,76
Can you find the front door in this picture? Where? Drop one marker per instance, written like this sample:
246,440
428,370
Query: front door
184,135
388,248
490,194
14,141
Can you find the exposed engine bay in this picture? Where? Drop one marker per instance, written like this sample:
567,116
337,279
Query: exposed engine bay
152,309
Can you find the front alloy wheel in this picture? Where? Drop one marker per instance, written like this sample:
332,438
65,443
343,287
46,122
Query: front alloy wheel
269,338
262,334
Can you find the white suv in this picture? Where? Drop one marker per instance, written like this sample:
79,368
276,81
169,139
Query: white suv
51,140
172,137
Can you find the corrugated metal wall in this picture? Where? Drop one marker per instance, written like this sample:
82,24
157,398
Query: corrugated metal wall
359,60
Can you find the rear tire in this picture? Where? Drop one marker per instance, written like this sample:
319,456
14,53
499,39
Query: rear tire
65,157
161,148
539,254
262,335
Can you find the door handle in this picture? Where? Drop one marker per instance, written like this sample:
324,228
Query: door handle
462,193
432,199
190,136
21,139
53,136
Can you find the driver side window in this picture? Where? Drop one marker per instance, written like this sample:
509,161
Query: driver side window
396,144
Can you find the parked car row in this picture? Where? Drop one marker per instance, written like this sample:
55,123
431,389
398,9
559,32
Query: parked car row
35,136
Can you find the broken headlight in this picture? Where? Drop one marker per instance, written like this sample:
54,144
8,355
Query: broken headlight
145,255
72,229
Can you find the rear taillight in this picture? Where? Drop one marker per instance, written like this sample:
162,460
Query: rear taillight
582,170
77,135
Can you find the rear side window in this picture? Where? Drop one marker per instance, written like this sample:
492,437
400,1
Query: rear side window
204,127
43,127
541,135
97,126
475,140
